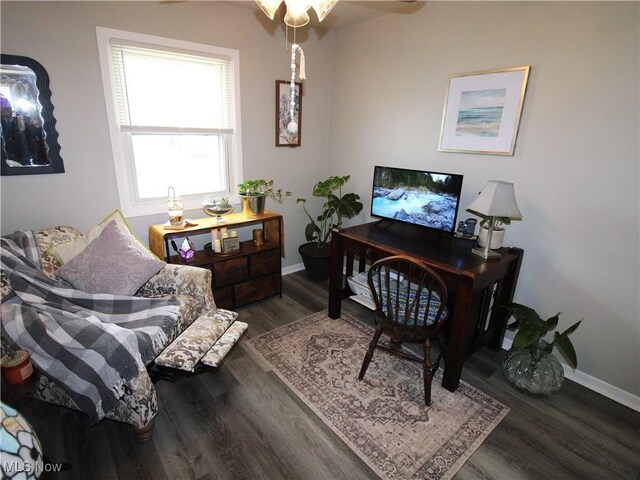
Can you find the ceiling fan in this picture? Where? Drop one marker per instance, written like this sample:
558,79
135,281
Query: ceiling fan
348,11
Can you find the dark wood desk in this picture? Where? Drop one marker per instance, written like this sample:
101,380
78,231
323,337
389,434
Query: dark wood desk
475,285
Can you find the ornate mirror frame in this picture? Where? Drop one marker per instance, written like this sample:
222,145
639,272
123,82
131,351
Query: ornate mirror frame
43,137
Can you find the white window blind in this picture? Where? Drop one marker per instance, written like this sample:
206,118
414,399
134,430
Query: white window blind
173,108
186,92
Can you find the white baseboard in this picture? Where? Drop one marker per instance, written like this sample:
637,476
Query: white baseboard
592,383
293,268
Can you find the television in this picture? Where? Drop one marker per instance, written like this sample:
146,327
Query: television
417,197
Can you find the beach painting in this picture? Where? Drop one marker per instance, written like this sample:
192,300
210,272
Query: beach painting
481,112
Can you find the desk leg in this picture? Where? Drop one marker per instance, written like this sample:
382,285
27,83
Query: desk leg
335,276
455,353
506,296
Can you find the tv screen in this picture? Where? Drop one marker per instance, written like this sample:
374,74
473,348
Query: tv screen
418,197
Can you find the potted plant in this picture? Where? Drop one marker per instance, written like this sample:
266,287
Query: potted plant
529,364
253,195
336,207
497,237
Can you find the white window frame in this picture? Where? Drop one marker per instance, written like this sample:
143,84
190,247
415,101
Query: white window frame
130,205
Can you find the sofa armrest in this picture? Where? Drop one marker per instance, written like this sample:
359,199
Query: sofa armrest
180,280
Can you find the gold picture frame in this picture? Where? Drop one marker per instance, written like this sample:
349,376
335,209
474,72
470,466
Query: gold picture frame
482,111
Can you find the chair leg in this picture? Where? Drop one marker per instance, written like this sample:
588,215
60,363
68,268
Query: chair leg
369,355
427,368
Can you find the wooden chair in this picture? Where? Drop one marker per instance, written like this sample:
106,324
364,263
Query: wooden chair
410,301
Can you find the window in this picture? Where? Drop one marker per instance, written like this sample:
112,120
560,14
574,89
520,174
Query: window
174,118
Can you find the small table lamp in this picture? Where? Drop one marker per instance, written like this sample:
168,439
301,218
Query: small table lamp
497,199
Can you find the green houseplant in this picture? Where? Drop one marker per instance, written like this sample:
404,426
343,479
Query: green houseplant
530,365
254,192
336,207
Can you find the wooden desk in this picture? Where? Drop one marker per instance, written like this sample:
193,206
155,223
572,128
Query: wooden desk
475,285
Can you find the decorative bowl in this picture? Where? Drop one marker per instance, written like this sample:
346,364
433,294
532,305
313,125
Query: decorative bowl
216,207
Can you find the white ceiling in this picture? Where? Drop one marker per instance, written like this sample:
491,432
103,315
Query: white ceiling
348,12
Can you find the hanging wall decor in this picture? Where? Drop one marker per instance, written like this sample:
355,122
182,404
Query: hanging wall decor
288,127
482,111
28,137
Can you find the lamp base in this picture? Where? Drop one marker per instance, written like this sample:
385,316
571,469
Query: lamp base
486,253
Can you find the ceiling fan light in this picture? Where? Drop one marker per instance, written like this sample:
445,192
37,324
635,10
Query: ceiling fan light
269,7
296,15
323,7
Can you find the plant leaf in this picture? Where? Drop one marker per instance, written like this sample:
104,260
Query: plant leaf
572,328
566,349
522,313
552,322
529,334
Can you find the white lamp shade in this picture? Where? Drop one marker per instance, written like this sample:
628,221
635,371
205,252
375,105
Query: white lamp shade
497,199
269,7
296,15
323,7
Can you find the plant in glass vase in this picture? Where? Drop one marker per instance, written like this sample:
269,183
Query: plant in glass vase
530,365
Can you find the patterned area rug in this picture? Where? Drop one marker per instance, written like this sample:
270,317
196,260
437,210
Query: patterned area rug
382,418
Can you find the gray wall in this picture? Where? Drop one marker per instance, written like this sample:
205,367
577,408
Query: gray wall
61,36
576,163
374,95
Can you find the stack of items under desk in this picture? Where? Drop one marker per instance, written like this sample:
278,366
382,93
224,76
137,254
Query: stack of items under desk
359,285
208,340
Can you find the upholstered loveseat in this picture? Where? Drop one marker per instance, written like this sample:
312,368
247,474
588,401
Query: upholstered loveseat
191,298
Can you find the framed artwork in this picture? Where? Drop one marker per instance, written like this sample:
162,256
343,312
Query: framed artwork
288,133
482,111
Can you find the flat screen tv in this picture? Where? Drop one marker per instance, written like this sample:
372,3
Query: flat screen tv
418,197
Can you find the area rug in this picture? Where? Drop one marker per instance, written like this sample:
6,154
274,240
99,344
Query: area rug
382,418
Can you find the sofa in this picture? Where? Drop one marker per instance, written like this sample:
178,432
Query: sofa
190,298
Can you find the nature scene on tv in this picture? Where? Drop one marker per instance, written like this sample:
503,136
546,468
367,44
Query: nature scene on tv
423,198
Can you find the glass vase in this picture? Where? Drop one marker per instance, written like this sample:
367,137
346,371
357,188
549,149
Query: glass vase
534,369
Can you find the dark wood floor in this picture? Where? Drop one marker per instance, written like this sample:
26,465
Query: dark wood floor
240,422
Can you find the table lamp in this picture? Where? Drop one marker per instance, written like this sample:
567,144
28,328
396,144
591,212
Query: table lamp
497,199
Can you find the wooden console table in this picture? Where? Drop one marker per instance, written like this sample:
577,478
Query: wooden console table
251,274
476,286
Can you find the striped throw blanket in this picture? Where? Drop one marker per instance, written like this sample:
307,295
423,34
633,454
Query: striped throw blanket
87,343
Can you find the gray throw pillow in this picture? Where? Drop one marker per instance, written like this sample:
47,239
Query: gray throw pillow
110,264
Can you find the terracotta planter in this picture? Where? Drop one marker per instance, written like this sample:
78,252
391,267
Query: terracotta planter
316,261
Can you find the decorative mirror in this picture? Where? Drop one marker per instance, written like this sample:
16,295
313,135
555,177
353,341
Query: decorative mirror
29,140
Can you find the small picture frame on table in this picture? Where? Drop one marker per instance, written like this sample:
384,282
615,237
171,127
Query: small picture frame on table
230,244
285,136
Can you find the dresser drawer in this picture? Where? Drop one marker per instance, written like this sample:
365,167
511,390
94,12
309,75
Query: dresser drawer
257,289
230,271
264,263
